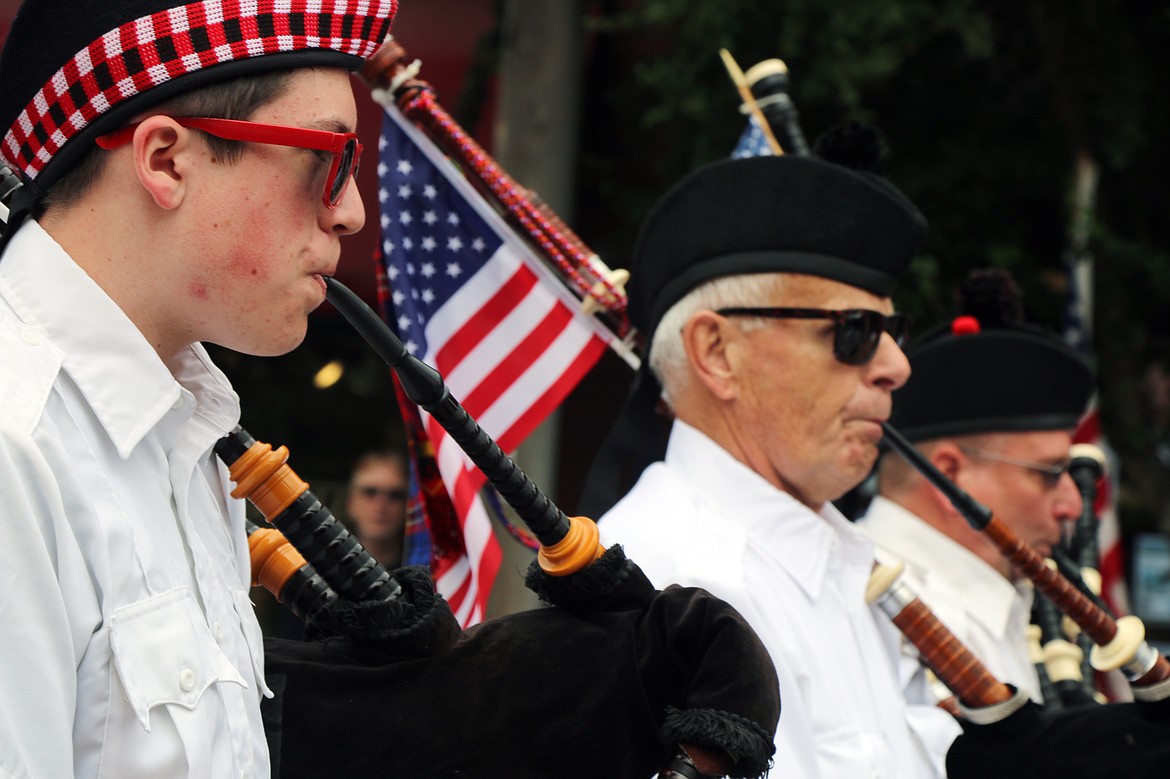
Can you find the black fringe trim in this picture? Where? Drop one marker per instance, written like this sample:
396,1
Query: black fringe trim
610,583
748,745
417,624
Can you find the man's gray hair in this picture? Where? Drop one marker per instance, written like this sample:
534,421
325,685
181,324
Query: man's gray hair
668,358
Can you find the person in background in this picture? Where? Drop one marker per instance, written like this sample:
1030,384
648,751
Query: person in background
376,505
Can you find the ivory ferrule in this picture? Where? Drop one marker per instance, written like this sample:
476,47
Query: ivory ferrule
895,599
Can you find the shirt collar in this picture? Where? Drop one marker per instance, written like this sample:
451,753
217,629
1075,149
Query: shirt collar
904,534
790,534
123,379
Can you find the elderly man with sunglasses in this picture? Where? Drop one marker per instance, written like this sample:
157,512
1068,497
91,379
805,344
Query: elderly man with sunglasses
186,177
992,404
763,287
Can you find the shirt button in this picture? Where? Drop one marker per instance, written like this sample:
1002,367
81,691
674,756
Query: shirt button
30,338
218,630
187,680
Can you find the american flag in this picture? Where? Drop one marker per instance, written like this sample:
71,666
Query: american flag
470,298
752,143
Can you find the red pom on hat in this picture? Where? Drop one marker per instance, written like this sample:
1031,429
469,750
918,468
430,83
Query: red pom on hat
965,325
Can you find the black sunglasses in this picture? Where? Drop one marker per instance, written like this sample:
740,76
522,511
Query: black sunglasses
856,331
393,495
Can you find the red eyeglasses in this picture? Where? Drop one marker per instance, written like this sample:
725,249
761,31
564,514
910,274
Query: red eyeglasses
345,147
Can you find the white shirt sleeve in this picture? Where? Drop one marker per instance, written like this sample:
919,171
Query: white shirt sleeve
38,647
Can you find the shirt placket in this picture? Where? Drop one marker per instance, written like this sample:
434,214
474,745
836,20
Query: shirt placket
870,646
200,514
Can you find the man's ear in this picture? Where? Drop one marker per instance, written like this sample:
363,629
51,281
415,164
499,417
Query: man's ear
163,159
949,459
709,341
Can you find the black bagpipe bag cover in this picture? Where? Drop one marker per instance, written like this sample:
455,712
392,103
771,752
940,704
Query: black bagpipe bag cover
601,685
1122,740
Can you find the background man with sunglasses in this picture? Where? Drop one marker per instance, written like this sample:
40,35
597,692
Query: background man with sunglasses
376,505
763,288
992,403
185,169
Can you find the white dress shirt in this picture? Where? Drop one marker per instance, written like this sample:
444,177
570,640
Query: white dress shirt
985,611
128,645
703,519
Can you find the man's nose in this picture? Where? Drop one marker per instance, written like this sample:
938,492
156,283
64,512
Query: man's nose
1068,505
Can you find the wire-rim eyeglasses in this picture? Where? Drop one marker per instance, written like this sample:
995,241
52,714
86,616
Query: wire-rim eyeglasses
1049,473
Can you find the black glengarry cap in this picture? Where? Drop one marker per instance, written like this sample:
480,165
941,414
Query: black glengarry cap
772,215
988,371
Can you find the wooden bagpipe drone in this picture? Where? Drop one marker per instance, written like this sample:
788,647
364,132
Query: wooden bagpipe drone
1063,653
615,678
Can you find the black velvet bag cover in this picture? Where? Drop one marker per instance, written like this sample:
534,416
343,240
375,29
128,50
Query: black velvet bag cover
603,684
1123,740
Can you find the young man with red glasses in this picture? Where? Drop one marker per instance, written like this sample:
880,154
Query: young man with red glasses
186,177
992,404
763,288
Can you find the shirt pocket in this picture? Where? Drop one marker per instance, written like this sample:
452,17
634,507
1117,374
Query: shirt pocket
164,653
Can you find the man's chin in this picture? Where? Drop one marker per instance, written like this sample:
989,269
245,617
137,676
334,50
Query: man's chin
842,489
859,466
276,346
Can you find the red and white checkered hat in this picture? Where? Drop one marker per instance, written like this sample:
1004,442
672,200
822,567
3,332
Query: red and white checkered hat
72,70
